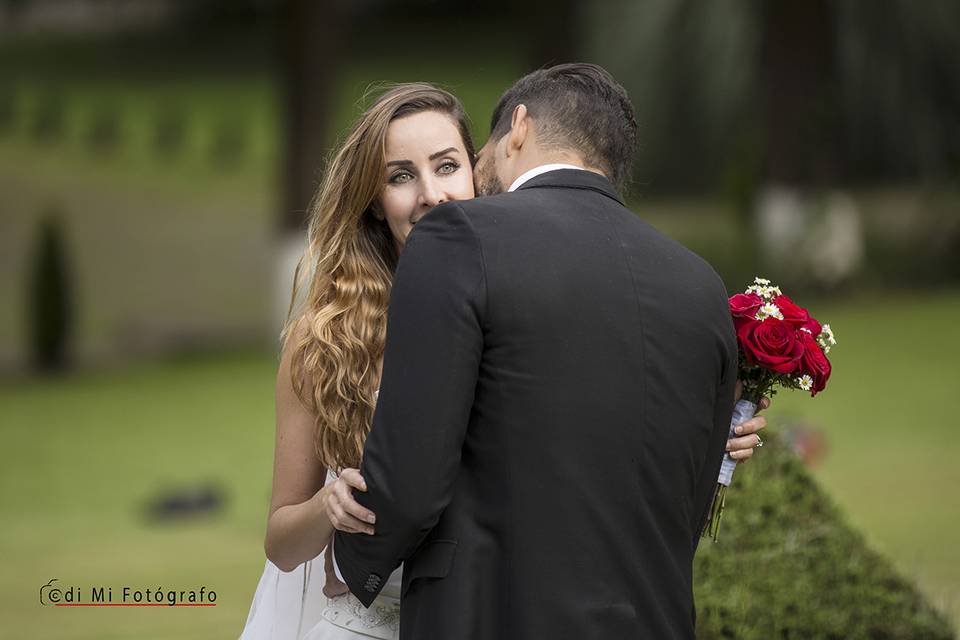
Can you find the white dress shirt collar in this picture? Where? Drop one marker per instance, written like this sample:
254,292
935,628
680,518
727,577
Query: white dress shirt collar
536,171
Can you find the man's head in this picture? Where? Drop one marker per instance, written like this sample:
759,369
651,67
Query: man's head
571,113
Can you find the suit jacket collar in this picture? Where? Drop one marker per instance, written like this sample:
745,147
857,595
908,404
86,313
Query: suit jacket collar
573,179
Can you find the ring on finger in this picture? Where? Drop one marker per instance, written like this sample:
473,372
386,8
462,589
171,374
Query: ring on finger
759,441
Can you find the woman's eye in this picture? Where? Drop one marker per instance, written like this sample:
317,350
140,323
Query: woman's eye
400,178
448,167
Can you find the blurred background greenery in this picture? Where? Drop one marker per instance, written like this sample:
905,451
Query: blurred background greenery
156,158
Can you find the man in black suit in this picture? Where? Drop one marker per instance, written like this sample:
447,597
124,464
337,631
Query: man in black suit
557,389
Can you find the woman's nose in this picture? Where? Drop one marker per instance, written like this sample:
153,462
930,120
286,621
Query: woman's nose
432,194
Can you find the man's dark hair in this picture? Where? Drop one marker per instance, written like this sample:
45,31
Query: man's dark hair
577,106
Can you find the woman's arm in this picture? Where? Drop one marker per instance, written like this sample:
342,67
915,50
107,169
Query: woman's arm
299,524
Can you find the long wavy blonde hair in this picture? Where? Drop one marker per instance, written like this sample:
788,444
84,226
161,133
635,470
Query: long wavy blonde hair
346,272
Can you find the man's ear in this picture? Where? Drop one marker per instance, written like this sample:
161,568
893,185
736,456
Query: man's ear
519,129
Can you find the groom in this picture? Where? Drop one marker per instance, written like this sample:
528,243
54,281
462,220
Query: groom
557,388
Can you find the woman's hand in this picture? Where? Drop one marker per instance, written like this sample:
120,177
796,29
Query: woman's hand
345,513
741,447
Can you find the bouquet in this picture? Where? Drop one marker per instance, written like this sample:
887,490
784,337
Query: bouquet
780,345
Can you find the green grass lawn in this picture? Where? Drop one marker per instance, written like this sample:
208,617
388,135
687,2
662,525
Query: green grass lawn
82,455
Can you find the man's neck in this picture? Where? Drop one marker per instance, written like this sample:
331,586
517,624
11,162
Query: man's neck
538,159
540,169
534,166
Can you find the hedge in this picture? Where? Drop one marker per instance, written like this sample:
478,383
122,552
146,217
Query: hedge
788,565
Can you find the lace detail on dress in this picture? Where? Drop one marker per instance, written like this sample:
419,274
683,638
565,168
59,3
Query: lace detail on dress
381,620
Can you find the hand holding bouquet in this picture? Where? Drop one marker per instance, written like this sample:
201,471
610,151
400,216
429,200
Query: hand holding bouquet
781,345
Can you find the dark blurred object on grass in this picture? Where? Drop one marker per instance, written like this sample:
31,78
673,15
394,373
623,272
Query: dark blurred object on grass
186,503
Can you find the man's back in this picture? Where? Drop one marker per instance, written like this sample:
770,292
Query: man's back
603,362
604,344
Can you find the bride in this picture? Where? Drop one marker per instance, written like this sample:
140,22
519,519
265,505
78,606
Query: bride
410,151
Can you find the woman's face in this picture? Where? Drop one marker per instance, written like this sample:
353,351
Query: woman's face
426,164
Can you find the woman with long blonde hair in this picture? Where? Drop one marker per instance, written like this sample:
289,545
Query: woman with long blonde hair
410,151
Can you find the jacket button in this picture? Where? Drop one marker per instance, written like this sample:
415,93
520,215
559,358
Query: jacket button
373,581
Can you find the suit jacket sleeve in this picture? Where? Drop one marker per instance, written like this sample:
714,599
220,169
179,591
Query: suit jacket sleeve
722,413
434,341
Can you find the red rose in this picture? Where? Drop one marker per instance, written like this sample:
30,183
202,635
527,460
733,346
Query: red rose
744,307
792,313
813,327
797,315
772,344
814,363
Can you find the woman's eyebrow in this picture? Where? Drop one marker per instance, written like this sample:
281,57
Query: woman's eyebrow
433,156
436,155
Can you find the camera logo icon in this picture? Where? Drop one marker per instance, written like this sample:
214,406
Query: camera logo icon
50,594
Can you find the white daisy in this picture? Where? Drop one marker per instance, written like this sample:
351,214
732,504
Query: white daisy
826,339
825,329
805,382
769,310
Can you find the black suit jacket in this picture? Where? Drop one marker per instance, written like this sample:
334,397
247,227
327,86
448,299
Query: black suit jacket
557,390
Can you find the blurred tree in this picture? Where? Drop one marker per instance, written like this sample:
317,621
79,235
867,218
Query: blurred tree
898,84
50,312
859,91
779,106
309,50
553,33
799,106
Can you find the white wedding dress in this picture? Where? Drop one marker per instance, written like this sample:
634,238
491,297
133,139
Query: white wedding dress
292,606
